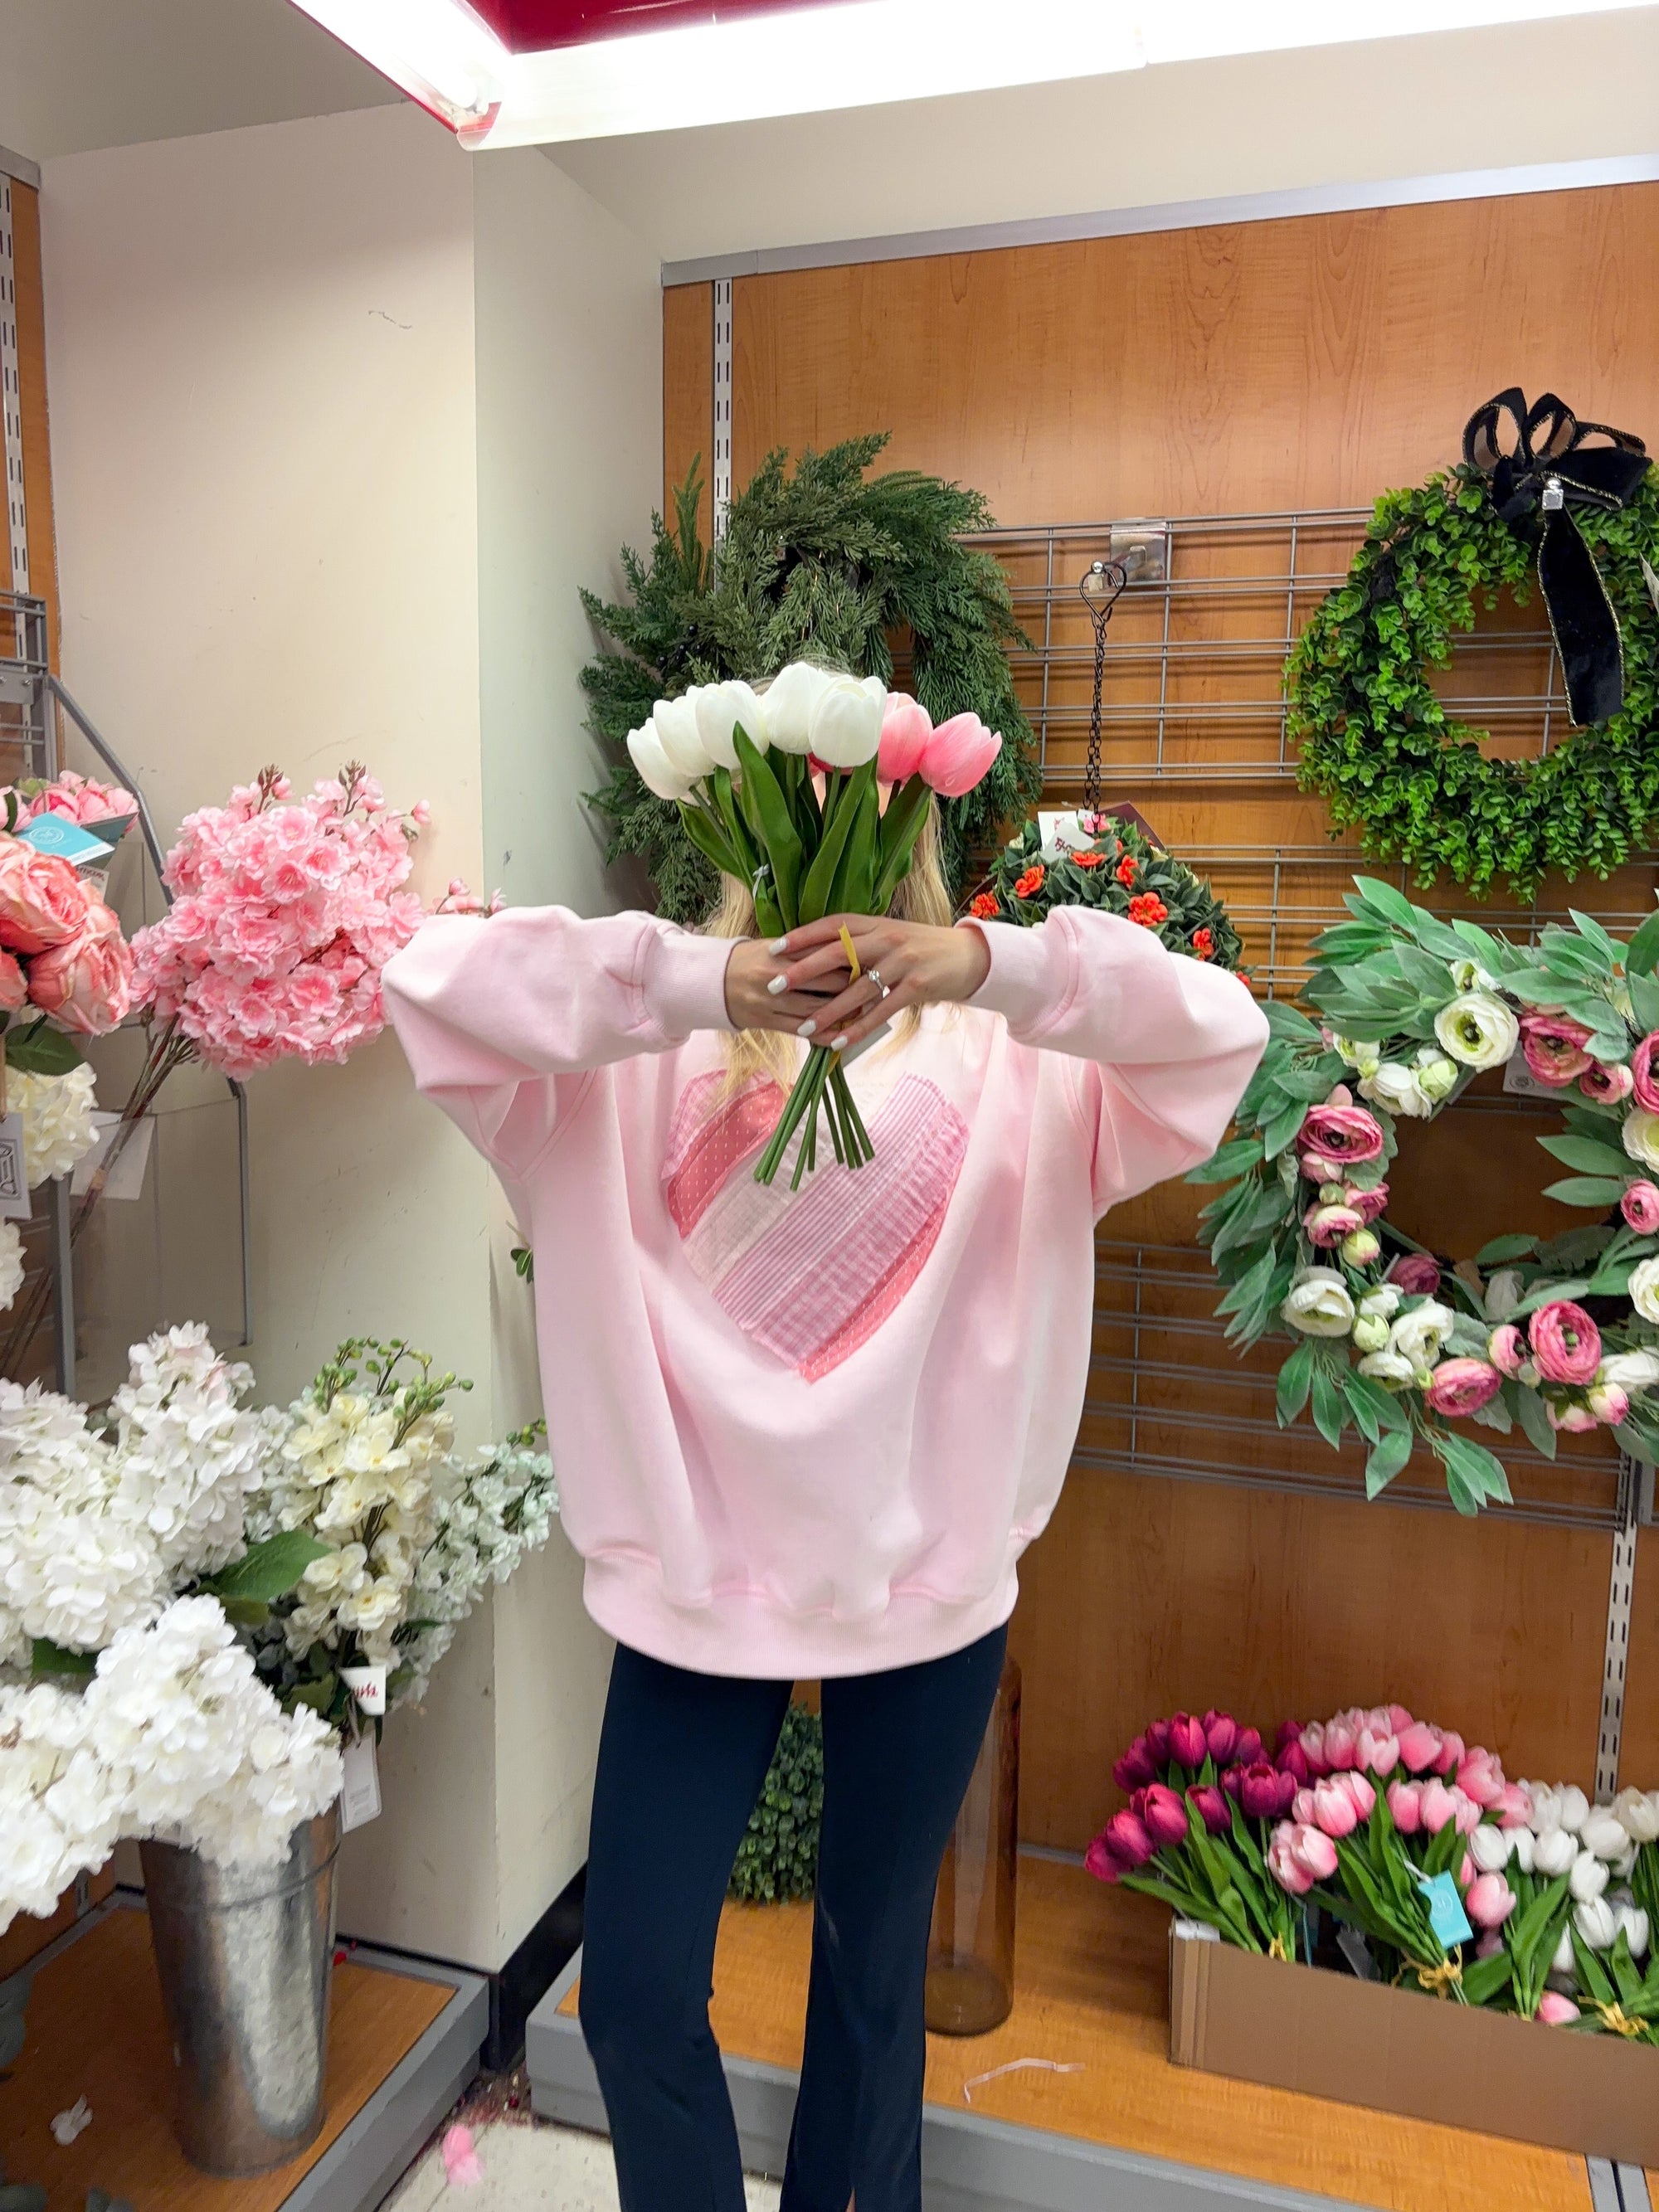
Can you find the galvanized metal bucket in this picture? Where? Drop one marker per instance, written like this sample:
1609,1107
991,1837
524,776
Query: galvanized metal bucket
245,1958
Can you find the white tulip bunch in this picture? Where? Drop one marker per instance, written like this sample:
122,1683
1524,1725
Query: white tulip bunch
806,709
1597,1848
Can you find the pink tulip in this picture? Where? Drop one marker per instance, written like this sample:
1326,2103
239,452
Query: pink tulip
1285,1867
1513,1807
1265,1794
1414,1274
1489,1945
1640,1207
1406,1804
1481,1777
1566,1345
1157,1742
1506,1348
1570,1420
1553,1047
1314,1851
1489,1901
1466,1814
1398,1718
1439,1806
1220,1736
1135,1769
1163,1816
1420,1744
1101,1861
1211,1807
906,727
1341,1743
1312,1740
1378,1754
1355,1786
1460,1388
1640,1072
1247,1751
1606,1085
1293,1761
1187,1744
1451,1752
1334,1810
1128,1840
1555,2011
958,755
1302,1809
1467,1871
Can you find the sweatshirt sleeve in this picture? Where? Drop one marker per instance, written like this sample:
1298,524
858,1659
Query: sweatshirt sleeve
488,1010
1164,1045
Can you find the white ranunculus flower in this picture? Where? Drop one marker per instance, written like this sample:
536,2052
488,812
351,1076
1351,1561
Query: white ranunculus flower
1502,1293
58,1125
1469,976
1364,1057
1645,1289
1553,1852
1437,1076
1478,1029
1370,1333
1630,1372
1396,1087
1320,1303
1603,1834
1640,1137
645,750
1420,1336
1593,1920
1384,1302
720,708
1489,1847
1389,1369
845,726
1639,1809
789,701
675,722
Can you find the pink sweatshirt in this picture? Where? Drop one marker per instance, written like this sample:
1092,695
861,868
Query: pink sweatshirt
810,1433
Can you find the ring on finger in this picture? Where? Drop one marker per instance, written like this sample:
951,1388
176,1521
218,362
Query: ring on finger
874,975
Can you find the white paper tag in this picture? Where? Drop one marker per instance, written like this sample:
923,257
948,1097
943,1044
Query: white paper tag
126,1177
1520,1081
359,1796
14,1201
367,1685
1065,830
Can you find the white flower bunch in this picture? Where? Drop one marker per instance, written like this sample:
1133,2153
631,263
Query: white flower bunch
56,1813
488,1511
806,709
58,1125
190,1454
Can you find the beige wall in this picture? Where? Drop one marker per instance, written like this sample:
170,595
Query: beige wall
311,403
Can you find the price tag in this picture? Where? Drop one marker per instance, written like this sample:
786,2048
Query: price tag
1520,1082
14,1201
367,1685
1446,1915
55,833
359,1796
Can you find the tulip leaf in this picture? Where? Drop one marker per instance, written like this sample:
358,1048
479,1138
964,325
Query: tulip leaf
1624,1969
907,811
1592,1975
1483,1977
765,805
711,843
821,873
267,1570
1387,1459
1295,1380
1601,1191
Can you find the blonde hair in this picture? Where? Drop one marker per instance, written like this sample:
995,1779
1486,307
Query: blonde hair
923,896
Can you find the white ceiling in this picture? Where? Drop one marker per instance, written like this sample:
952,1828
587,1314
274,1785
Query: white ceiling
78,74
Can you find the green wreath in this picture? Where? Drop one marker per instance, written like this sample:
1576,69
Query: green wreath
1376,742
1120,871
827,563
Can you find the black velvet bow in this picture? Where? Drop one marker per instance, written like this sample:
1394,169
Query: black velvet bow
1543,466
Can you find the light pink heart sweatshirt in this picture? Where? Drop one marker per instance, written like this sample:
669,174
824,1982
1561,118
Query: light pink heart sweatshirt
809,1433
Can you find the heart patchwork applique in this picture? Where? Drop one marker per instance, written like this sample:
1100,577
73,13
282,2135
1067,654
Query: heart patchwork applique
810,1275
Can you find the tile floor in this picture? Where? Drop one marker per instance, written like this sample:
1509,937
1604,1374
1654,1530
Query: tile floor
531,2166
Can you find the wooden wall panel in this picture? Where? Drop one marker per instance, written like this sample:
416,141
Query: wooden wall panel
32,383
1640,1762
1310,363
688,390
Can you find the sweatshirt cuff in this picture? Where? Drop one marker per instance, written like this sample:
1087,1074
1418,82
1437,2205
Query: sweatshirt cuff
683,982
1022,986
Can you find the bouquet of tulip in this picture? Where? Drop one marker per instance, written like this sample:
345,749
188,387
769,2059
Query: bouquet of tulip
784,793
1604,1858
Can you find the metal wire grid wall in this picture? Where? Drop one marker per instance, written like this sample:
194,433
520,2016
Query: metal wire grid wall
25,731
1192,711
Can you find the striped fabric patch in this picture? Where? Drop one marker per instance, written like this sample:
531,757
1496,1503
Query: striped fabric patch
810,1275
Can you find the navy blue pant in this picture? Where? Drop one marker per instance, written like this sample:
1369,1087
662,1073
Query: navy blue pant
682,1759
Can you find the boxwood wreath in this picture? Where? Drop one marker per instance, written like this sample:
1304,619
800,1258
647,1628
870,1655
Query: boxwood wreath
1120,871
778,1858
1407,1346
1377,743
826,563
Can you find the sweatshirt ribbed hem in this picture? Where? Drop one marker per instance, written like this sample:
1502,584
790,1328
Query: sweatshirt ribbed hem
626,1598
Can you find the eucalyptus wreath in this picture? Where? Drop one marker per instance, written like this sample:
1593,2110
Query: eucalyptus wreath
1377,743
824,562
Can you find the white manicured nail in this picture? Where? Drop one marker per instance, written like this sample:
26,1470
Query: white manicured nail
836,1044
807,1029
779,944
777,984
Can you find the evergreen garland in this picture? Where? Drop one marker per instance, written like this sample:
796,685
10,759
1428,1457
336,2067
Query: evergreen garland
778,1858
823,563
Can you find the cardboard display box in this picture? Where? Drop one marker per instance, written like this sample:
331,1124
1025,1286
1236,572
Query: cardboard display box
1328,2034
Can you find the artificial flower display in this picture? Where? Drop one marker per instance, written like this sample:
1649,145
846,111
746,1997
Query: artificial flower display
1462,1883
1120,870
784,793
79,798
1553,1336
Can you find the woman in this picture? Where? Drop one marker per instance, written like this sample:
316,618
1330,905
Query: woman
805,1434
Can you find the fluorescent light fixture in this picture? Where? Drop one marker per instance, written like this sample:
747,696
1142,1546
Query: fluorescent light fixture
862,53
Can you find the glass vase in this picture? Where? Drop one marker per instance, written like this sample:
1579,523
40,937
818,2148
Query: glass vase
970,1947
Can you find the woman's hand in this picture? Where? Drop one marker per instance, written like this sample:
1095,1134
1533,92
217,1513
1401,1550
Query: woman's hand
802,982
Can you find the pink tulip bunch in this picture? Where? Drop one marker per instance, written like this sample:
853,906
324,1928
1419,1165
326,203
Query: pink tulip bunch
1185,1742
950,757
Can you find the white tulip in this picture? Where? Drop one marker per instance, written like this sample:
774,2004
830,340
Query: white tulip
1630,1371
1564,1960
1575,1808
1554,1853
1623,1864
845,725
1604,1833
1545,1804
1398,1088
719,709
790,698
645,748
1644,1276
1320,1304
1525,1844
1420,1336
1639,1811
1490,1847
1595,1923
1502,1293
1588,1876
675,722
1389,1369
1478,1029
1634,1922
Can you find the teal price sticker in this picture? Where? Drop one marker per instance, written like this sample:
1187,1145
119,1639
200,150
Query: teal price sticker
1446,1915
55,833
